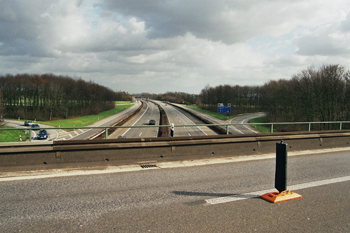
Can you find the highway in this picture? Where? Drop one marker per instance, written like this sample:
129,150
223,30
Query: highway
243,129
237,129
182,197
149,112
177,117
106,122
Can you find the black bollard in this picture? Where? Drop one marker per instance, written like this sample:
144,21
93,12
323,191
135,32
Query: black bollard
281,178
281,167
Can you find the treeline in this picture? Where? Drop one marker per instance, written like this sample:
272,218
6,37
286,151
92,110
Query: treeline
174,97
47,96
243,99
312,95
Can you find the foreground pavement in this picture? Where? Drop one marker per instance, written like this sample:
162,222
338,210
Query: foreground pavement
188,196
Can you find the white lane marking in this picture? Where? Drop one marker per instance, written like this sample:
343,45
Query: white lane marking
244,196
136,121
237,130
246,120
180,113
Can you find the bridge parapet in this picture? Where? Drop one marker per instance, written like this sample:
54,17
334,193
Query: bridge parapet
141,150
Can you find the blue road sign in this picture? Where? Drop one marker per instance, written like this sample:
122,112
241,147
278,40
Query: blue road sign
224,109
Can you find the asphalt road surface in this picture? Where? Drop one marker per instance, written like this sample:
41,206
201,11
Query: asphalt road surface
177,117
244,129
53,133
209,198
235,129
149,112
107,122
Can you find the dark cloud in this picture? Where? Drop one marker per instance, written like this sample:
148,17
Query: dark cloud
319,45
21,27
213,20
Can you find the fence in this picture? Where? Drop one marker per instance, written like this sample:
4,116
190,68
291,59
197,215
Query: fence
340,125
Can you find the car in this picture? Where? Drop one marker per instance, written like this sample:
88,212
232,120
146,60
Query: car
43,134
28,123
35,126
152,122
121,137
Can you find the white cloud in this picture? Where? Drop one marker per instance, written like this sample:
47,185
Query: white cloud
158,46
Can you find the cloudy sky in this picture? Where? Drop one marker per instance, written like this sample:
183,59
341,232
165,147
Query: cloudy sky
173,45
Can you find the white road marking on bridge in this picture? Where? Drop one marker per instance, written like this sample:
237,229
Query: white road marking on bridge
244,196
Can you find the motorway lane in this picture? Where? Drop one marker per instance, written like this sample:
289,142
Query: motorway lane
244,129
149,112
177,117
106,122
174,199
237,129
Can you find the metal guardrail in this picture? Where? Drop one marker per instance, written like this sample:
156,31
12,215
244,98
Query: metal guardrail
104,129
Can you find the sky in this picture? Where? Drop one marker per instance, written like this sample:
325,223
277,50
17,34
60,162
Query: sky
160,46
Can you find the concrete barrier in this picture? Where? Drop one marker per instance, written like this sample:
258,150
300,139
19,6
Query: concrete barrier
151,150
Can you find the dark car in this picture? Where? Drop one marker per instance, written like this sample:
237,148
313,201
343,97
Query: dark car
28,123
35,126
43,134
152,122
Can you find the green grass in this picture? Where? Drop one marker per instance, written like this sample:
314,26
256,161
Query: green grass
261,128
214,114
123,102
12,135
87,120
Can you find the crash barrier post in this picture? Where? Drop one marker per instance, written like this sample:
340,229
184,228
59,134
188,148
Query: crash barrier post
281,178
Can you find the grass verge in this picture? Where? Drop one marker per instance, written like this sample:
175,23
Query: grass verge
12,135
261,128
87,120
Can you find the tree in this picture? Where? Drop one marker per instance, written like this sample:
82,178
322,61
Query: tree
47,96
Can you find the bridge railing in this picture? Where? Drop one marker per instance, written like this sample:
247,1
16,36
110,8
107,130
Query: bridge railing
272,126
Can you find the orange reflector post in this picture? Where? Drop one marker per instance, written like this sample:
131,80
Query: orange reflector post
276,197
